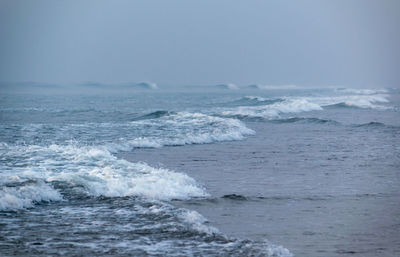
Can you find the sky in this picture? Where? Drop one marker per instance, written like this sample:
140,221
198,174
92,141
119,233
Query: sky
178,42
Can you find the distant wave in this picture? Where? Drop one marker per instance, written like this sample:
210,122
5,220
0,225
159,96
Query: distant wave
372,124
362,91
253,107
235,197
228,86
376,125
306,120
138,85
273,110
255,100
146,85
154,115
49,110
272,87
355,101
360,101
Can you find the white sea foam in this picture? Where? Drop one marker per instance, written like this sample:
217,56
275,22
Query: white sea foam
273,110
186,128
360,101
196,222
303,104
362,91
93,170
155,131
19,197
89,170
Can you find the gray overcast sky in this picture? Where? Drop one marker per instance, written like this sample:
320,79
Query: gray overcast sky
343,42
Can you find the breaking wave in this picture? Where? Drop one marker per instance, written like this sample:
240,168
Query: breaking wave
91,171
355,101
228,86
26,195
272,111
33,171
155,129
40,174
362,91
256,100
154,115
253,107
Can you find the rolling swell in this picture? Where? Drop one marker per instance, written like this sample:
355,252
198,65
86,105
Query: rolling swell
376,125
255,100
154,115
306,120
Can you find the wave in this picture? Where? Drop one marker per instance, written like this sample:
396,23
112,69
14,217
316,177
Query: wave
235,197
259,108
360,101
145,85
228,86
91,171
49,110
184,129
154,115
355,101
26,196
61,172
88,167
272,87
272,111
155,129
139,85
255,100
207,239
362,91
376,125
372,124
306,120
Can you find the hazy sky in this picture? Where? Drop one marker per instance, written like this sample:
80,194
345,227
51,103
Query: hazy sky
342,42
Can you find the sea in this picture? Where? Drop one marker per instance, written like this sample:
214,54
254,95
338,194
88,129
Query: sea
200,171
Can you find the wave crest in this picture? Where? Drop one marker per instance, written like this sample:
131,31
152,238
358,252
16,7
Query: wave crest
91,171
25,196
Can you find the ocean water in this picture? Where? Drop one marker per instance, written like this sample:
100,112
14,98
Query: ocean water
222,171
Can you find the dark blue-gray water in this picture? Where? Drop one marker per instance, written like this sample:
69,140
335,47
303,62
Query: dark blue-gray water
216,172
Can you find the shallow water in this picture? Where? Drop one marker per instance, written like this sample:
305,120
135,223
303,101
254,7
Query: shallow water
230,172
